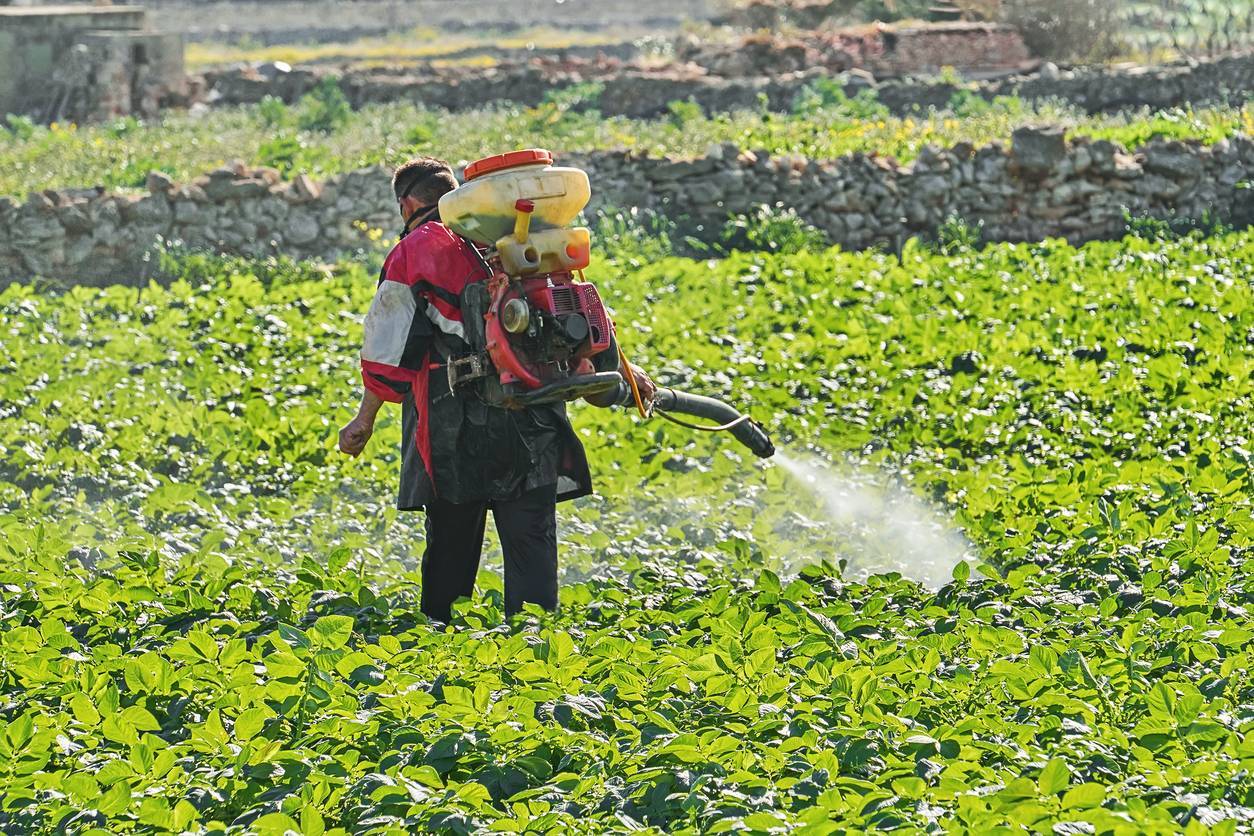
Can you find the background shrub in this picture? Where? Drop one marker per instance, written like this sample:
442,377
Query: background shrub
771,229
324,109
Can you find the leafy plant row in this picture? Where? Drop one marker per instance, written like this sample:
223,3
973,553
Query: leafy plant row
208,620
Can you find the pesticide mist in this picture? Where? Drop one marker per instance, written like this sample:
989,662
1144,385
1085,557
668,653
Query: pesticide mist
880,527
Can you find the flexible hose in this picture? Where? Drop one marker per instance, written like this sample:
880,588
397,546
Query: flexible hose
726,418
631,381
700,428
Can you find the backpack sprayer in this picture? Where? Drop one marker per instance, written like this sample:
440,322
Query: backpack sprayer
540,331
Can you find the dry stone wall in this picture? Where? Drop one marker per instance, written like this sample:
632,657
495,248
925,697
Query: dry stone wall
1039,186
631,91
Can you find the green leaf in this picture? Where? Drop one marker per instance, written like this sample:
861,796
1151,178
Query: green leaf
311,823
116,728
281,665
338,559
84,710
1054,778
911,787
1084,797
156,813
763,821
1161,701
19,732
84,790
116,800
275,824
140,719
211,734
988,571
204,643
332,631
293,637
184,814
1043,659
250,721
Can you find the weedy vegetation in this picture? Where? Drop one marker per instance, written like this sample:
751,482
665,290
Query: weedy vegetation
321,136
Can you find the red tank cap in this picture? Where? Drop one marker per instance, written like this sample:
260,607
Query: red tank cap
513,159
524,205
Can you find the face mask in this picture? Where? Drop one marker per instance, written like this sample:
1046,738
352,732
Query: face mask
418,219
421,216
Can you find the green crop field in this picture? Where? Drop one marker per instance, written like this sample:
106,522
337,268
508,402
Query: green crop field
209,617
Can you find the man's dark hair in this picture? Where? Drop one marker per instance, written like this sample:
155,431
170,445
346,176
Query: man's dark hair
425,178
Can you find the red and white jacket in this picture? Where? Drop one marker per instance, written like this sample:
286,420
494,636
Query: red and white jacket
419,295
419,289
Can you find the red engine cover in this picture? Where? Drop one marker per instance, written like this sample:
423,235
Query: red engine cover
567,297
558,294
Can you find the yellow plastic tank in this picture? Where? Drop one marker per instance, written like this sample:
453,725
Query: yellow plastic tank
483,208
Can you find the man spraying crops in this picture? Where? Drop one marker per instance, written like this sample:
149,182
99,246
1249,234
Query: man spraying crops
460,456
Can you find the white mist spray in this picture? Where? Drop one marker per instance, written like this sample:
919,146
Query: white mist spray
881,527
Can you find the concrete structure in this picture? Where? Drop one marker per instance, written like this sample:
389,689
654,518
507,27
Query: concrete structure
85,62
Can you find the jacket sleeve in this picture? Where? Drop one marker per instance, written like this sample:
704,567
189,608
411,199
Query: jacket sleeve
397,337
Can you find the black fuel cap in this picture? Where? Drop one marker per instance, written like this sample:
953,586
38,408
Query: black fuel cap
576,327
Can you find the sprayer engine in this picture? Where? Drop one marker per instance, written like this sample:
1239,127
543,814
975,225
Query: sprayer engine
542,335
553,320
545,331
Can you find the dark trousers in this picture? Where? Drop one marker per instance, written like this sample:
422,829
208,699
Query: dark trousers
527,527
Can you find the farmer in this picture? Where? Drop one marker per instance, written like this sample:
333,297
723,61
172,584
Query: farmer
460,456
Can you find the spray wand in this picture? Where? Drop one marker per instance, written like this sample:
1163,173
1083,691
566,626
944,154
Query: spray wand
726,417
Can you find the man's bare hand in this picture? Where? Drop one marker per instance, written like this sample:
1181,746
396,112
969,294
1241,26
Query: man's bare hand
355,434
648,389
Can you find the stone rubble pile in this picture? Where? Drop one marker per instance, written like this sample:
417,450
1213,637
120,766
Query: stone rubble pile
1039,186
757,15
886,51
